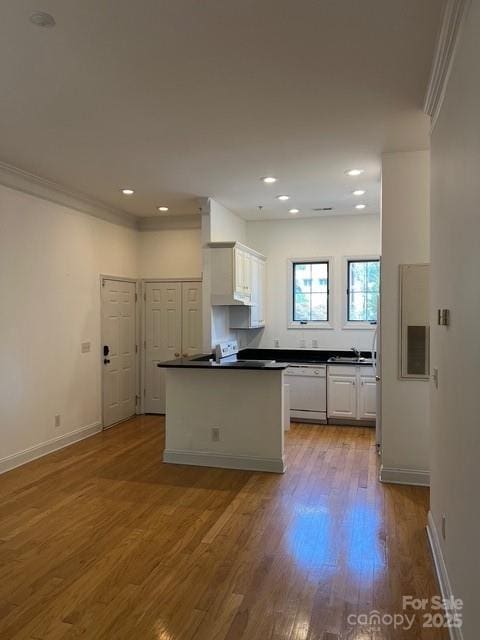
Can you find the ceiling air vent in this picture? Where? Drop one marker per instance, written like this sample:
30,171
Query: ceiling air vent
323,209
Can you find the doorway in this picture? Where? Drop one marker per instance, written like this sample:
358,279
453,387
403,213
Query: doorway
118,331
173,329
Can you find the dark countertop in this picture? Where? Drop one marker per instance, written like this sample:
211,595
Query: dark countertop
282,358
303,356
204,362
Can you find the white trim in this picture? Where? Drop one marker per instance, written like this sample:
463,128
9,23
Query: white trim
442,574
37,451
318,325
224,461
417,477
33,185
449,35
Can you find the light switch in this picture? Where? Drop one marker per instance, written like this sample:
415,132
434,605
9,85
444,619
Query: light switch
85,347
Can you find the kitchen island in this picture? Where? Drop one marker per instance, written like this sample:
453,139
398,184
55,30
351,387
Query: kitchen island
227,414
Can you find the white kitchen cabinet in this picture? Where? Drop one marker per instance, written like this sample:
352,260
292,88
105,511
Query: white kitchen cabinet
253,316
342,397
367,398
232,270
351,392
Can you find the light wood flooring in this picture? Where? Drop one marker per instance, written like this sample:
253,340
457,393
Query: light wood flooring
102,540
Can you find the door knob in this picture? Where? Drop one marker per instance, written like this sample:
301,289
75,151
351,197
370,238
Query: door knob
185,355
106,361
177,355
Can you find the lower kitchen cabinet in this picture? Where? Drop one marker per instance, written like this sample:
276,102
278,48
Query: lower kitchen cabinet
351,392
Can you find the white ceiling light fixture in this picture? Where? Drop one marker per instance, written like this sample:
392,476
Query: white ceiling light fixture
283,197
294,211
359,192
128,192
360,206
268,179
354,172
162,209
42,19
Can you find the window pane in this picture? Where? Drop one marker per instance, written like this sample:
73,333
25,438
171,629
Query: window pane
357,276
302,306
372,307
356,306
320,306
303,277
320,277
373,276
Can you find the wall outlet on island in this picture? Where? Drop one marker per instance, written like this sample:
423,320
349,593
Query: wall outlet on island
215,434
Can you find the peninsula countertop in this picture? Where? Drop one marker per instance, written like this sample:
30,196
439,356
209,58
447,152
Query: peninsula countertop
207,361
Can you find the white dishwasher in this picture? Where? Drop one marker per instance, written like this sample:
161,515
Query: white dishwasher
308,392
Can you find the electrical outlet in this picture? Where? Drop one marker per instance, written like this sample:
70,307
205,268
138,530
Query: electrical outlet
57,421
444,526
215,434
85,347
314,343
276,343
435,378
302,343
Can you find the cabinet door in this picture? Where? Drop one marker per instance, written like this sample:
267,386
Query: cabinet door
367,398
191,318
247,273
255,291
261,275
238,271
342,397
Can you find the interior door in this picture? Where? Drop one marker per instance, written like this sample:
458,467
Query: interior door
191,318
163,338
118,357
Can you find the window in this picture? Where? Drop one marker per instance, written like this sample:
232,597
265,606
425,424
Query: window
362,290
310,292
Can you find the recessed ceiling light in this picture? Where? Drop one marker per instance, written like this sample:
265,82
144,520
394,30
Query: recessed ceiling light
294,211
283,197
268,179
128,192
360,206
358,192
354,172
41,19
162,208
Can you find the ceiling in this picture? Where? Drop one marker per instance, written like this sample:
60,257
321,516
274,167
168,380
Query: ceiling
180,98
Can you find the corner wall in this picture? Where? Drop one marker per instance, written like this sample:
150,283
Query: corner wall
405,239
455,405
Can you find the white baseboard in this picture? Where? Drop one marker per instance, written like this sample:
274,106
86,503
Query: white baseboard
441,571
39,450
207,459
405,476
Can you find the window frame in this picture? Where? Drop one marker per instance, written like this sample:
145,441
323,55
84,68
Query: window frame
309,324
356,324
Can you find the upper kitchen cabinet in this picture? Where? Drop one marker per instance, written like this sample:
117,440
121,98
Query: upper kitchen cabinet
238,276
252,316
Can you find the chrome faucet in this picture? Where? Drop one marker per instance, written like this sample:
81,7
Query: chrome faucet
356,351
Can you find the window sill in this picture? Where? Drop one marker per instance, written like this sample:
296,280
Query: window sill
359,325
309,325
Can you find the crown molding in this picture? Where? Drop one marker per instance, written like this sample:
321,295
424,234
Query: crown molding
158,223
26,182
445,49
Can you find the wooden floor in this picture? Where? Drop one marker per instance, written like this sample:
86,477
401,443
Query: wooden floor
102,540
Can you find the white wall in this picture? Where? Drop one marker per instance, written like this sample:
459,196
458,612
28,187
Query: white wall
455,234
405,239
50,261
225,225
170,253
328,236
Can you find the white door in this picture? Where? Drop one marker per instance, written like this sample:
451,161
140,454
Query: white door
342,397
191,318
163,338
367,398
118,344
